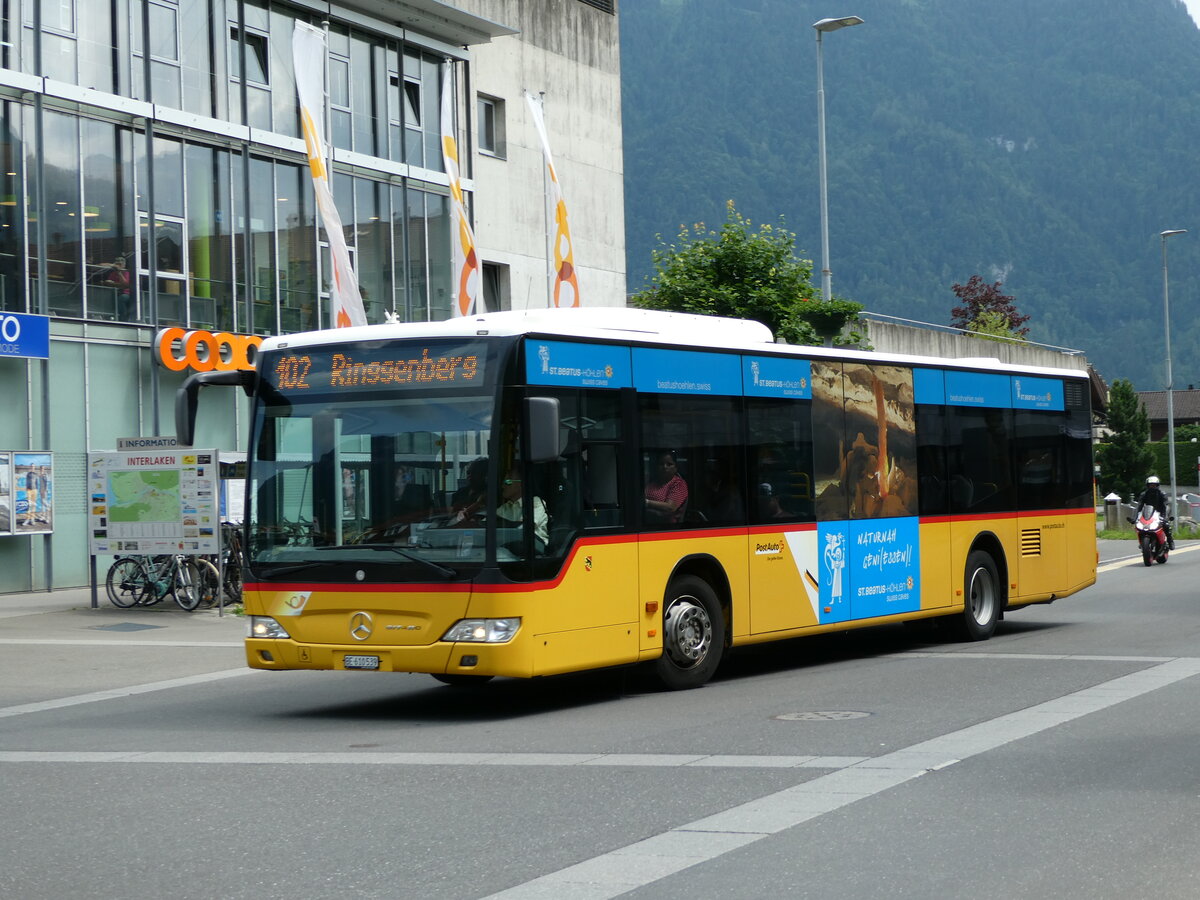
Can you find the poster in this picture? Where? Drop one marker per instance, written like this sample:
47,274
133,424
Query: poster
32,490
6,510
151,502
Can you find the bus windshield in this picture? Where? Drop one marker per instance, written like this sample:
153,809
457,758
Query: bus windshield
376,483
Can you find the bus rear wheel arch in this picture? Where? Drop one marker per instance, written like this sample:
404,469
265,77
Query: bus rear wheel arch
693,628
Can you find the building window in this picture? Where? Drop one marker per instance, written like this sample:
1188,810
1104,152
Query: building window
491,126
496,296
257,69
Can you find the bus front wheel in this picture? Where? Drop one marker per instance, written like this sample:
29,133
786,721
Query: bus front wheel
982,598
693,634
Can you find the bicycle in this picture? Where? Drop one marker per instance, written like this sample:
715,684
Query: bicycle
127,582
231,550
143,581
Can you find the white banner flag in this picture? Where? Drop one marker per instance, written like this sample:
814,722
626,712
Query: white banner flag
565,289
308,55
464,261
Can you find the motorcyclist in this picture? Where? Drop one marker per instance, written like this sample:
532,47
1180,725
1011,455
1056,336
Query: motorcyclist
1154,496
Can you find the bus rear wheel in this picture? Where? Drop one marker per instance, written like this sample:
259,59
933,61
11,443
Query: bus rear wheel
693,634
982,598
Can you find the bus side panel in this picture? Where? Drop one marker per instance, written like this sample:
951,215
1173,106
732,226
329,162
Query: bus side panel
784,575
963,536
660,555
590,616
937,579
1042,565
1058,555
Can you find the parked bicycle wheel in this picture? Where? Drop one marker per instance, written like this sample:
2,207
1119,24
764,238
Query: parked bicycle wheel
186,586
126,582
207,579
233,581
160,577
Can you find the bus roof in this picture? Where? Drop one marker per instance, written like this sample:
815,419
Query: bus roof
627,324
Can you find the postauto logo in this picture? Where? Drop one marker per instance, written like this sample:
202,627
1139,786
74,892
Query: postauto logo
205,351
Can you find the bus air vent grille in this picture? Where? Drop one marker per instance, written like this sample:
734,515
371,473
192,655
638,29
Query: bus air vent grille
1031,542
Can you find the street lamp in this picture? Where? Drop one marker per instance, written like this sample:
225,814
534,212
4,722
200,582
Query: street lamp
1170,399
821,27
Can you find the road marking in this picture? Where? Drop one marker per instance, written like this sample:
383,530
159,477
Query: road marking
117,693
373,758
662,855
1125,561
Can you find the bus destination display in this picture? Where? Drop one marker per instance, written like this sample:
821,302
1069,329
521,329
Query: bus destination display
358,368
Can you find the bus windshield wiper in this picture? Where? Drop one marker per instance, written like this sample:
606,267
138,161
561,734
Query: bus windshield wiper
295,567
444,571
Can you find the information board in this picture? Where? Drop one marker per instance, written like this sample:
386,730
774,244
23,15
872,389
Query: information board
150,502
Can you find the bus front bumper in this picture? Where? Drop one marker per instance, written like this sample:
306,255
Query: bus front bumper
510,659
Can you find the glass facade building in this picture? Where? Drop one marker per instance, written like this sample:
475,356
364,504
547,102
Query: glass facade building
153,175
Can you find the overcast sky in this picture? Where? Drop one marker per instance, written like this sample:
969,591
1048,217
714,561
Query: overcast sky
1194,8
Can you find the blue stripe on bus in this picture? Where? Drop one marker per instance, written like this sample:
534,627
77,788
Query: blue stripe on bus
577,365
774,376
686,372
978,389
567,364
1037,393
929,386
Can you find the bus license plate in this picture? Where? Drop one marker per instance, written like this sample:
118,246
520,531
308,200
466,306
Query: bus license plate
361,662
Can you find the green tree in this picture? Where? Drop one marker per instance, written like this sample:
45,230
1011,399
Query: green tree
991,325
1127,459
1186,433
986,310
746,274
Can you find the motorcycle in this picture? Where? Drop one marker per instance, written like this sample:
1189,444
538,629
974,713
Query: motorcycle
1150,526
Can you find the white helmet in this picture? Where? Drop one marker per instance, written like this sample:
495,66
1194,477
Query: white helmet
1153,479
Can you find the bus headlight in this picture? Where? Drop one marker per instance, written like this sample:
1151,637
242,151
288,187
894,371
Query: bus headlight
483,631
265,627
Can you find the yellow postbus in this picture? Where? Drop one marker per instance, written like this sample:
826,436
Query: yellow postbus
529,493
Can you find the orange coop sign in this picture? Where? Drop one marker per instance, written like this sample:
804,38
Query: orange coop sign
204,351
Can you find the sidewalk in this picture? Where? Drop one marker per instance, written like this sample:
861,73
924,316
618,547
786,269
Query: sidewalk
68,613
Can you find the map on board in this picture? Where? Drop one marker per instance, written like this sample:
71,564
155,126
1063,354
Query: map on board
155,500
144,495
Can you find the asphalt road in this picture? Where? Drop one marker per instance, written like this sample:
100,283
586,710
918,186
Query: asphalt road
138,758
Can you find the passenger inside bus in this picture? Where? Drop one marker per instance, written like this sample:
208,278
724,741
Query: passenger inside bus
666,494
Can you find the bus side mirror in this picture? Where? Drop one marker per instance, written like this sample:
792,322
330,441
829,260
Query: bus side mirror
186,398
542,415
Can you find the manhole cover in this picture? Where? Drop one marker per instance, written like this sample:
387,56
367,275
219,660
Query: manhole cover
124,626
823,716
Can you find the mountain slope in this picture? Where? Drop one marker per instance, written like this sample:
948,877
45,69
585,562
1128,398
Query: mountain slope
1044,144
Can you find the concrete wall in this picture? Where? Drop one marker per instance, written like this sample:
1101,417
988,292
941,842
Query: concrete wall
892,337
571,51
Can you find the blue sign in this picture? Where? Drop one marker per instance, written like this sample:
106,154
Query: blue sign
1037,393
577,365
24,336
771,376
686,372
929,386
978,389
833,550
885,566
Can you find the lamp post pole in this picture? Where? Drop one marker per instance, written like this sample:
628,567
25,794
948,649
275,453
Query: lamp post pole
821,27
1170,398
